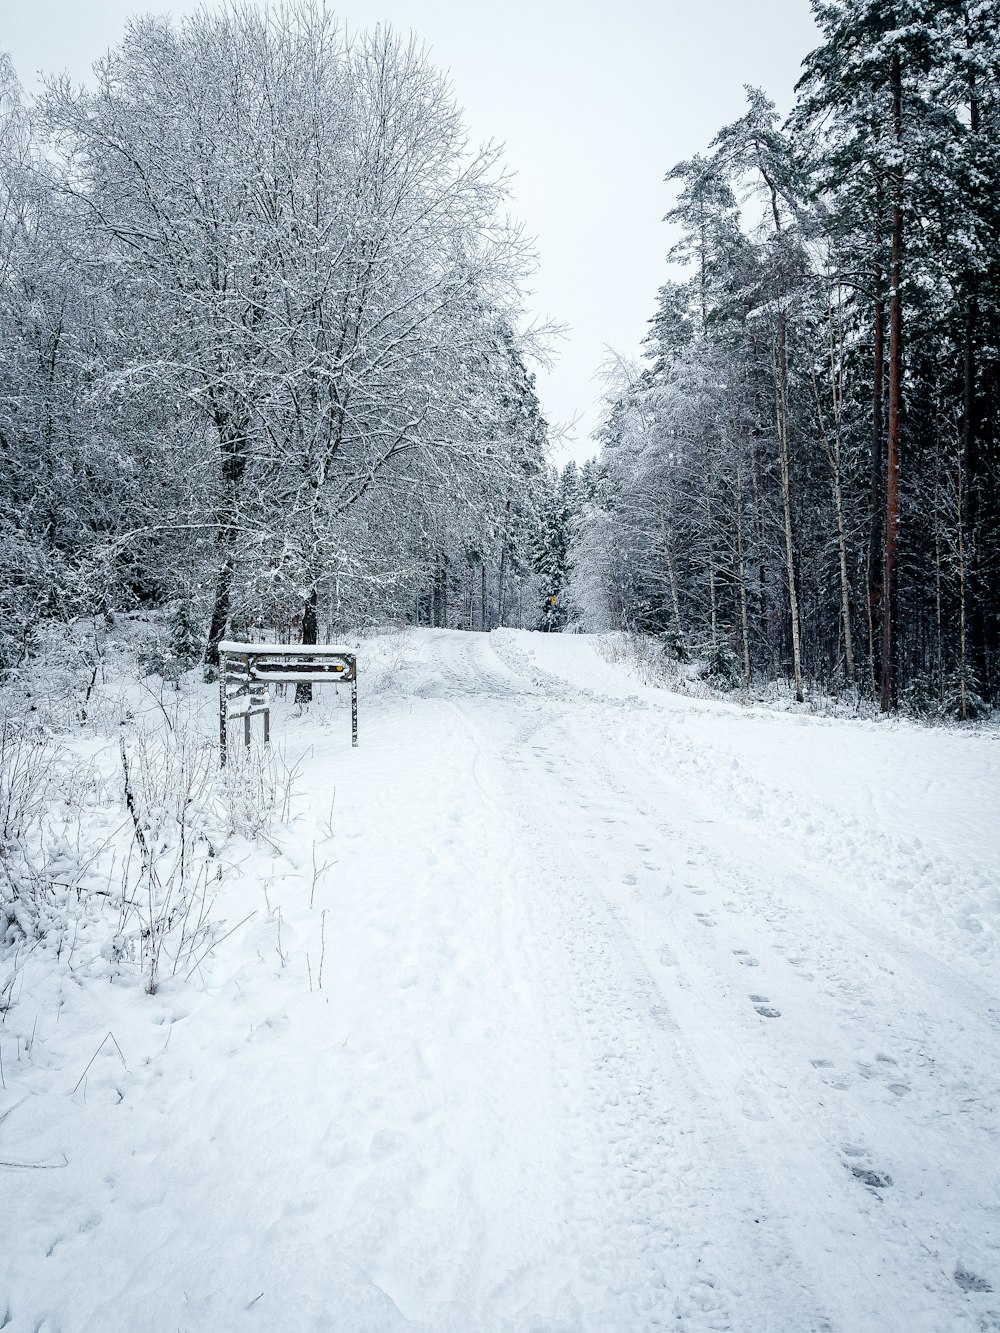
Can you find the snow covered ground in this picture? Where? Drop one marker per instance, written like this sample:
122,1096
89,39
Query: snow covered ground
567,1004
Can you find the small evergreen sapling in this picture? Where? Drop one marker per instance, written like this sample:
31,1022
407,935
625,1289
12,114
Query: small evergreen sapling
182,649
673,646
721,668
185,637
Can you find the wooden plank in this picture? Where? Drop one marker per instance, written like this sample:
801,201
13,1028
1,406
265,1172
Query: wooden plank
287,649
291,673
240,707
223,718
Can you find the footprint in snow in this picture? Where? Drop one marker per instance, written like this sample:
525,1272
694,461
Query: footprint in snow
971,1281
872,1180
838,1081
662,1017
855,1163
703,919
630,878
745,958
898,1087
763,1007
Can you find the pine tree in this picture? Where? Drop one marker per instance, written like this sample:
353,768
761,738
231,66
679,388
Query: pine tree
558,512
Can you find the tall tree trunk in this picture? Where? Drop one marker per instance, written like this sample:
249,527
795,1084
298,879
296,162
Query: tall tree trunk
232,464
713,598
220,604
845,587
972,455
741,579
501,583
890,613
963,585
877,500
310,631
781,367
969,466
668,556
761,530
938,576
832,450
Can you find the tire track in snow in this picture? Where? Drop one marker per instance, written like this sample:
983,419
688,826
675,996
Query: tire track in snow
929,1251
652,1199
639,985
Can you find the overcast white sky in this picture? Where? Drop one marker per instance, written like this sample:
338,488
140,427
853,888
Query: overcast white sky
594,103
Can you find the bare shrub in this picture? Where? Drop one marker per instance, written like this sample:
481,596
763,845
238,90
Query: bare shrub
257,787
175,819
44,861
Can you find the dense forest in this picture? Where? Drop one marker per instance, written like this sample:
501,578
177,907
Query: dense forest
259,302
264,363
803,481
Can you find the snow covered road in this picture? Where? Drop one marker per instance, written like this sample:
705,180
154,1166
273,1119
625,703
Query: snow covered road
635,1013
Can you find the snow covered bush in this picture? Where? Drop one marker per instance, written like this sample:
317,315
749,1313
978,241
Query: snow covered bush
921,698
25,776
256,788
673,646
116,824
721,668
174,817
177,648
963,701
48,861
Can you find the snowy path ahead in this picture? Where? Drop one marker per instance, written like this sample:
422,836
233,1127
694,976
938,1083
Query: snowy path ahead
636,1013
